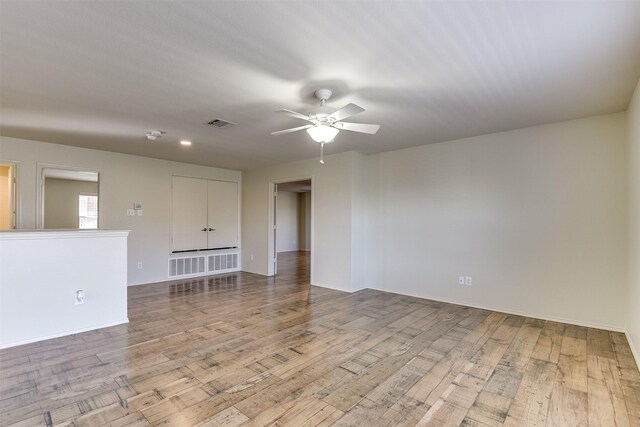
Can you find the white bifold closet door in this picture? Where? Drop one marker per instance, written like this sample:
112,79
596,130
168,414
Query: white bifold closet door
223,214
189,213
204,214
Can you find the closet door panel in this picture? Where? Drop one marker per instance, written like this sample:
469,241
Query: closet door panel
188,213
223,214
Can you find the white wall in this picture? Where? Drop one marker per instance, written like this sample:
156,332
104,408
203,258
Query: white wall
125,179
633,301
331,217
536,216
287,221
40,272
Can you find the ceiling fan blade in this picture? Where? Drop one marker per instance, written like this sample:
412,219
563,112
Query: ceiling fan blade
357,127
294,114
281,132
346,111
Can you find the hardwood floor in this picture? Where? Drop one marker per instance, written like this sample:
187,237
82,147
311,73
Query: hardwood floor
245,350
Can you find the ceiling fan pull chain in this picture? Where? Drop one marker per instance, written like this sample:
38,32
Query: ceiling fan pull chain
322,153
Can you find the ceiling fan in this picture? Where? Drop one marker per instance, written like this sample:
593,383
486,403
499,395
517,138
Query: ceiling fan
326,122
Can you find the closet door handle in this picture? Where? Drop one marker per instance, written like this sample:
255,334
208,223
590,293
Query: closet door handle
212,229
204,229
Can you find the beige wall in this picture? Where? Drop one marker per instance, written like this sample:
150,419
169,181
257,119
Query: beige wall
5,198
633,318
331,194
304,221
287,221
536,216
61,201
125,179
364,232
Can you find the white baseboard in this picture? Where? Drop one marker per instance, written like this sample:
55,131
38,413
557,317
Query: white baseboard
518,313
335,288
62,334
634,350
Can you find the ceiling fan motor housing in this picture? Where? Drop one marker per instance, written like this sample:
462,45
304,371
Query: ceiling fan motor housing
323,94
323,110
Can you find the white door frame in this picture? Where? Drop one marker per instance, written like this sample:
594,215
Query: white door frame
41,167
271,226
15,191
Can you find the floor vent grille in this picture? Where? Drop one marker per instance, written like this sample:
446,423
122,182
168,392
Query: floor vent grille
201,265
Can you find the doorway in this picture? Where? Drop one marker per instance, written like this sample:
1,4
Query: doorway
8,216
291,240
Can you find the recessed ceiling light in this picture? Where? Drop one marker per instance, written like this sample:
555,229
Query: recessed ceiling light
185,142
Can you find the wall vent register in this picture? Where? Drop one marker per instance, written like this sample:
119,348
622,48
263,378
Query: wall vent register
202,265
219,123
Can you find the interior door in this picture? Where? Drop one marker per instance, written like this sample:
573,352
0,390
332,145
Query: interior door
188,213
7,197
275,229
222,214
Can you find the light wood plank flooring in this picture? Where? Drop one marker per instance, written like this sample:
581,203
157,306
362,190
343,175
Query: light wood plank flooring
245,350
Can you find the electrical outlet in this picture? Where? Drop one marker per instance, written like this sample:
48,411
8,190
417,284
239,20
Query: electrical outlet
139,212
461,280
131,212
467,280
251,257
79,297
139,265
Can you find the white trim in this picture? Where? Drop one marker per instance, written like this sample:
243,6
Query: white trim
16,196
205,178
60,234
516,312
271,253
63,334
634,350
335,288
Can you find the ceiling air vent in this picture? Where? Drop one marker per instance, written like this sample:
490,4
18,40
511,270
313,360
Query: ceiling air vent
219,123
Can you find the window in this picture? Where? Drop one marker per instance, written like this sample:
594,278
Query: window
88,211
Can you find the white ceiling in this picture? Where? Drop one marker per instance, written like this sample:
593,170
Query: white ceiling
102,74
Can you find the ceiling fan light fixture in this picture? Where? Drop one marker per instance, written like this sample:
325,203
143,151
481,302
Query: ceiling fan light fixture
322,133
